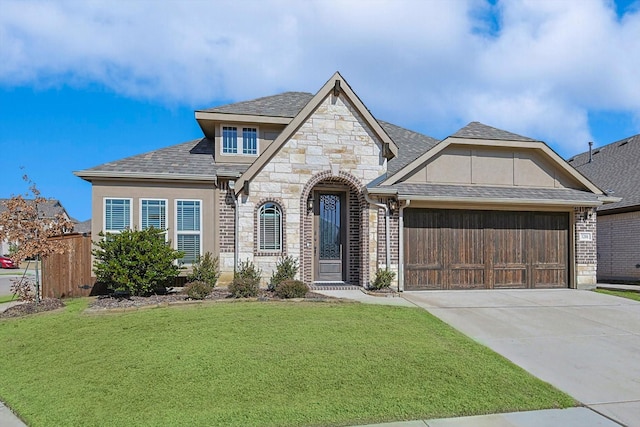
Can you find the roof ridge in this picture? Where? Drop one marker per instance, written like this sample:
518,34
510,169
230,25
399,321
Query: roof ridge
478,130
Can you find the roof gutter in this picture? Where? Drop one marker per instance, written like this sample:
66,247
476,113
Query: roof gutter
87,175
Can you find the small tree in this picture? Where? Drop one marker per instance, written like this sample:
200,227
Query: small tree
24,225
136,261
206,269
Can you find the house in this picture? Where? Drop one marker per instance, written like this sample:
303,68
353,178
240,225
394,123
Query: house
614,168
319,178
49,208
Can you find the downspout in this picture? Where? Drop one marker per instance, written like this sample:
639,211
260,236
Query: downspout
386,228
401,244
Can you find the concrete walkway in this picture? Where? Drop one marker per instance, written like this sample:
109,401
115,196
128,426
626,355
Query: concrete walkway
585,343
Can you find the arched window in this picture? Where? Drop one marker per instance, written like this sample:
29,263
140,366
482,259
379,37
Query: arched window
270,228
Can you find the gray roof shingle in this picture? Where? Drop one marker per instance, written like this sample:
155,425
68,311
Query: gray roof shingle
477,130
287,104
49,208
188,158
504,193
615,169
411,145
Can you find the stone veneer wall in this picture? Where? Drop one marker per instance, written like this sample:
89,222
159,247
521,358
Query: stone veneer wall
585,251
334,142
619,246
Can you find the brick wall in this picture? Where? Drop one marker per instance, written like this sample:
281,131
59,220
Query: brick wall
226,231
585,247
619,247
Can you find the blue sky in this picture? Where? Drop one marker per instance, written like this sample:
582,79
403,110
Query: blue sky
83,83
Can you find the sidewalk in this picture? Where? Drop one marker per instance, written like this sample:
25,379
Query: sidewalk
8,419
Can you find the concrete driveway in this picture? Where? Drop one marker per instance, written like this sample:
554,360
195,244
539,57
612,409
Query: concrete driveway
586,344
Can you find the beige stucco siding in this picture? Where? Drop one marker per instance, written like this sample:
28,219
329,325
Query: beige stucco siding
267,133
333,139
169,191
459,164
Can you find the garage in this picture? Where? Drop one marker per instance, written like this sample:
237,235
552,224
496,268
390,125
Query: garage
479,249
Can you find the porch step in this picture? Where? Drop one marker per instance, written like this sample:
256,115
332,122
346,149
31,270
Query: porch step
333,286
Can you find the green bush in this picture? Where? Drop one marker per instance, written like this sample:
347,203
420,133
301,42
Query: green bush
206,269
382,280
292,289
248,270
244,287
286,269
198,290
139,262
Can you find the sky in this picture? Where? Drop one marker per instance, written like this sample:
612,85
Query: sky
87,82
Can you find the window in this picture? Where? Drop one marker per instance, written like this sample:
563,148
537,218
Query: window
117,215
248,145
188,229
153,213
270,228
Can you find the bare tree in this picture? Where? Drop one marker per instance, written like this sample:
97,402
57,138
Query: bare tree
24,224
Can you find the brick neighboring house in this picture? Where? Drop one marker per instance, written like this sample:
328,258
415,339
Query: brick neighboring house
319,178
615,169
49,209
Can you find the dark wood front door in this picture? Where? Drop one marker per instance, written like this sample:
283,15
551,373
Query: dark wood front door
458,249
329,236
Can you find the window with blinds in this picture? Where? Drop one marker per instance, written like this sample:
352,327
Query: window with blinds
153,213
117,215
240,141
270,228
188,237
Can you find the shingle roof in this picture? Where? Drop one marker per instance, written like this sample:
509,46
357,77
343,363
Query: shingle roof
411,145
506,194
82,227
194,158
50,207
287,104
615,169
477,130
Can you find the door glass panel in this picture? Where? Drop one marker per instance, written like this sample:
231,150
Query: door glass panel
330,241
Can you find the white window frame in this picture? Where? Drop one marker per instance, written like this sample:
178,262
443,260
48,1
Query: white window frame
191,232
240,141
104,213
166,212
280,225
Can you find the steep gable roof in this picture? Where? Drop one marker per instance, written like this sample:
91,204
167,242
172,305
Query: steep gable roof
189,160
477,130
615,169
410,145
336,84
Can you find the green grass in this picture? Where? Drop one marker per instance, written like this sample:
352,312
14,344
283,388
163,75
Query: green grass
634,295
253,363
7,298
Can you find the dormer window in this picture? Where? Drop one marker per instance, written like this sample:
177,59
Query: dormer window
239,140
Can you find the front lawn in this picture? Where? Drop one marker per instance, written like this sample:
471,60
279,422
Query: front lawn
254,363
634,295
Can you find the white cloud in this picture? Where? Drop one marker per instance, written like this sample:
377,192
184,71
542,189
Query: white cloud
424,64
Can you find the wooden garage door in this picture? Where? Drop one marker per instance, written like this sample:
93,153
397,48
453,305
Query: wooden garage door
456,249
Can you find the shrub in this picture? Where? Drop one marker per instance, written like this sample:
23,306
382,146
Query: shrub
383,279
244,287
286,269
247,270
206,269
292,289
198,290
136,261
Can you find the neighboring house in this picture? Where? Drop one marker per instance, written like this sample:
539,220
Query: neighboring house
50,208
319,178
616,169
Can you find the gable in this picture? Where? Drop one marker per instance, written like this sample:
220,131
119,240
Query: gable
486,165
336,88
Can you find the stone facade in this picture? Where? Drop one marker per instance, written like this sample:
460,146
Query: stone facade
333,146
585,248
619,247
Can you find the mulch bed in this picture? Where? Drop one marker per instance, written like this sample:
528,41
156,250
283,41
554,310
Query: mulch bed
46,304
107,302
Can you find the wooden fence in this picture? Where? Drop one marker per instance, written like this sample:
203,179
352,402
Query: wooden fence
69,274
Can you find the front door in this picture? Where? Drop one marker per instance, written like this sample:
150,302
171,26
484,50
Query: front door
329,238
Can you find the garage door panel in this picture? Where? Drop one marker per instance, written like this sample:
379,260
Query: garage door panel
455,249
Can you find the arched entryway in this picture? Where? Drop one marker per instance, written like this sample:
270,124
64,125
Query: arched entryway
334,230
